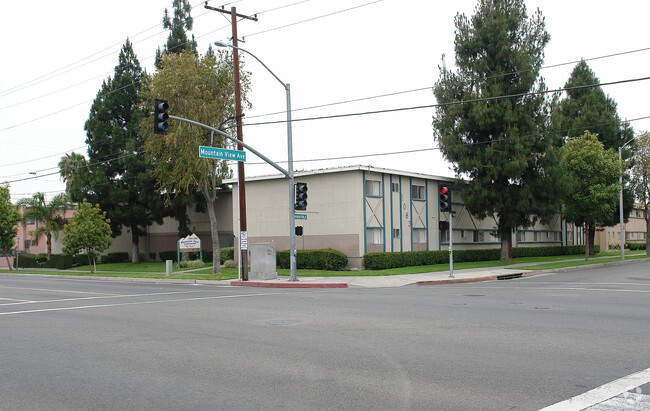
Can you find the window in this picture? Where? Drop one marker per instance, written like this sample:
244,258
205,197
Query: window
417,192
28,243
30,221
419,236
445,236
373,188
395,187
521,236
479,236
536,236
395,232
374,235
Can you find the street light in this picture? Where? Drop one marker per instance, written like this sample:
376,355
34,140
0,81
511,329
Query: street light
621,240
292,210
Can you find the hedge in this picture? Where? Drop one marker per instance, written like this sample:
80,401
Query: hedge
226,254
30,260
116,257
635,246
382,261
324,259
59,261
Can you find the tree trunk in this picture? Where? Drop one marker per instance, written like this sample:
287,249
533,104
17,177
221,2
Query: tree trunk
7,257
587,242
506,246
647,231
135,245
592,240
216,249
48,242
90,260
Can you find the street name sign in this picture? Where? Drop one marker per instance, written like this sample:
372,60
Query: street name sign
301,216
222,153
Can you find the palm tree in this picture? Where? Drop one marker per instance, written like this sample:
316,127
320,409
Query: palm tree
48,216
68,166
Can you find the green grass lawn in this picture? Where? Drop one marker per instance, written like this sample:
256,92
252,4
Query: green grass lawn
157,269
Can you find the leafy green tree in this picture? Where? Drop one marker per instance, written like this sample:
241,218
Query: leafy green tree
88,230
9,219
48,216
641,180
591,109
201,90
118,178
592,174
177,41
70,167
491,120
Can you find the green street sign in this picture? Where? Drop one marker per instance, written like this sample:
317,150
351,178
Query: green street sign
222,153
301,216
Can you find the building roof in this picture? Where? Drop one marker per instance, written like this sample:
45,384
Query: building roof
301,173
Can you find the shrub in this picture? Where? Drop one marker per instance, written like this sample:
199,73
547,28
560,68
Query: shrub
59,261
635,246
325,259
115,257
227,253
31,260
169,255
229,264
382,261
191,264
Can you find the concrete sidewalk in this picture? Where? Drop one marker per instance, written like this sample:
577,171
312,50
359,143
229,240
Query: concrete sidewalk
436,278
441,277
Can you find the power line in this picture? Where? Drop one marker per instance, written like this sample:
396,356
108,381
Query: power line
312,19
477,100
500,141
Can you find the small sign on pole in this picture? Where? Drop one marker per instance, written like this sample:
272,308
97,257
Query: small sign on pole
244,240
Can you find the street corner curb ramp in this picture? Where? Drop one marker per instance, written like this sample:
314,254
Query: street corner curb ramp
287,285
474,279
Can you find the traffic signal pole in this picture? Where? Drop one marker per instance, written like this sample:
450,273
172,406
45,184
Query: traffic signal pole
451,242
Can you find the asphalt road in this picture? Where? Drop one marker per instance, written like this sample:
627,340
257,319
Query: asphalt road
501,345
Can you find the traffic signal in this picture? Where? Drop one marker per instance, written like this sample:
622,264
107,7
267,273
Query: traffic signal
443,225
299,230
160,116
445,198
301,196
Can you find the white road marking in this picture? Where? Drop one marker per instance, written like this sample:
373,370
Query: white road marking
82,307
602,393
98,297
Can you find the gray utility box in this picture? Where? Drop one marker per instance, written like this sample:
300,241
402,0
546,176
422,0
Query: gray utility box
262,262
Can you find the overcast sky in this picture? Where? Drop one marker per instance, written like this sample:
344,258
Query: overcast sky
56,55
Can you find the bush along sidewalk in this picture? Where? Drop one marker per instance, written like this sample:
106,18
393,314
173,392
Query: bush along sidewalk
324,259
382,261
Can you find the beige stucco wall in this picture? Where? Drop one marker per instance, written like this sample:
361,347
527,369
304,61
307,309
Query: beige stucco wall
334,212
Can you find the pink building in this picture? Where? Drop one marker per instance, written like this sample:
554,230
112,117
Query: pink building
28,244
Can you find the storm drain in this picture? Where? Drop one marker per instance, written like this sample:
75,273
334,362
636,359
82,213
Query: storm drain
509,276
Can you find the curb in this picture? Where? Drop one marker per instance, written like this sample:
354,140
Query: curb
457,281
288,285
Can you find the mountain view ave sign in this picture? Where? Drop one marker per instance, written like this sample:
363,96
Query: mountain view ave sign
222,153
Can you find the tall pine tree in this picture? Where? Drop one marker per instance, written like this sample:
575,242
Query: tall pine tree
498,144
177,41
590,109
117,176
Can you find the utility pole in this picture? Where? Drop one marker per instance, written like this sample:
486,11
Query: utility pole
243,246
